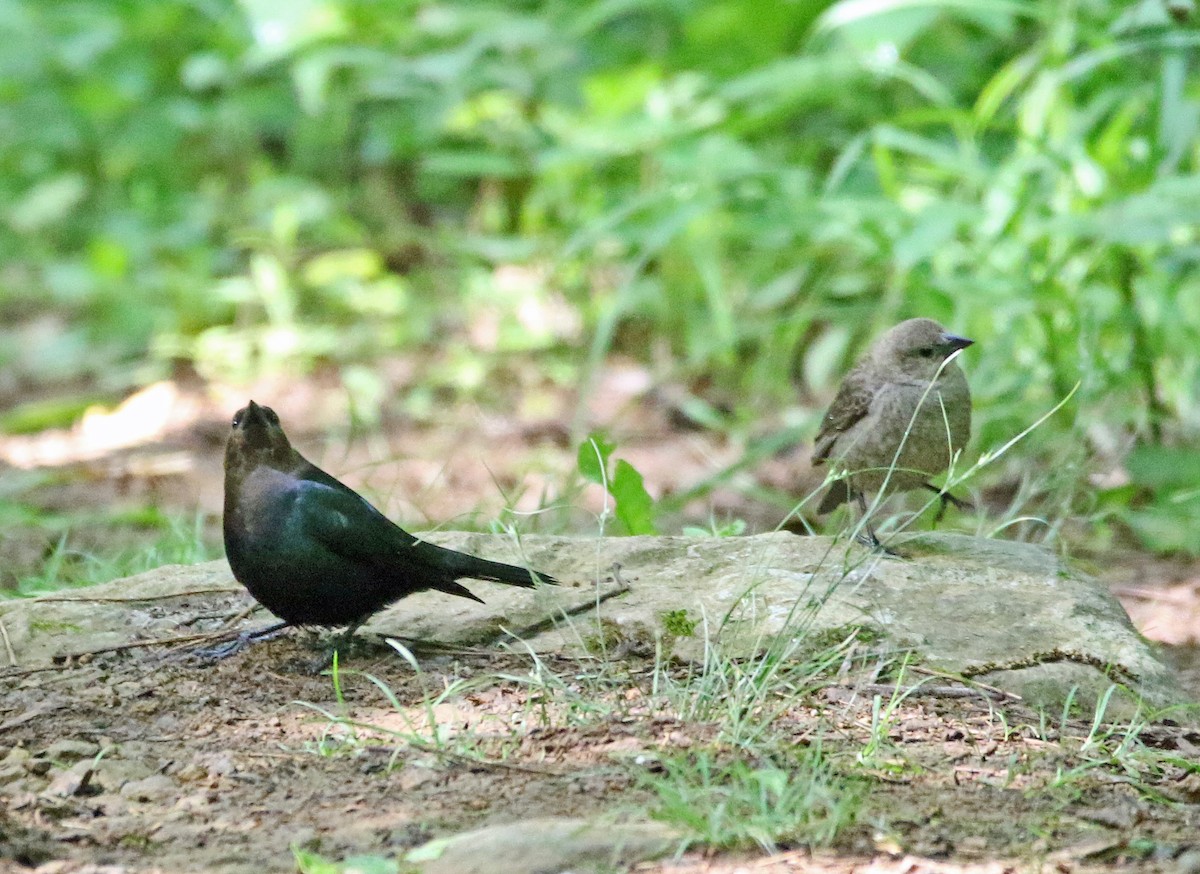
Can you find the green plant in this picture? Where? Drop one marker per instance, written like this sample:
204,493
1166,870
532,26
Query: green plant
784,801
676,622
732,528
308,862
634,508
1161,503
878,751
177,541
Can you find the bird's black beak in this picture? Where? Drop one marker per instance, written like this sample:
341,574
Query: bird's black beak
252,416
257,429
255,414
952,341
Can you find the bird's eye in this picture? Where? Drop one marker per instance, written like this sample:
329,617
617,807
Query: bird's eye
237,418
925,351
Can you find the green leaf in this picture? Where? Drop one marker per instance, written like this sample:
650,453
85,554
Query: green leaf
1171,522
635,507
52,412
48,202
1159,467
1169,527
471,164
593,458
676,622
312,863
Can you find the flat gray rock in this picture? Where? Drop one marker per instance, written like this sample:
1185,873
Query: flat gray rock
1009,614
547,846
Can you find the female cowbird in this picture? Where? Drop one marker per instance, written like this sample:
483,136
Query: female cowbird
900,416
314,552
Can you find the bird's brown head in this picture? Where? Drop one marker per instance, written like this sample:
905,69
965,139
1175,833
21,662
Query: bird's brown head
917,348
256,439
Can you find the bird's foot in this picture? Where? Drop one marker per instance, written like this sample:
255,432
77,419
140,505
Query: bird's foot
874,544
239,643
341,651
346,645
868,538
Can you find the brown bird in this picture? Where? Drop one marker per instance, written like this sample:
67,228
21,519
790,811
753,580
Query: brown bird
314,552
899,418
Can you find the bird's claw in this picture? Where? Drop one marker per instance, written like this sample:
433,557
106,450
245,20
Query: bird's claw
874,544
236,645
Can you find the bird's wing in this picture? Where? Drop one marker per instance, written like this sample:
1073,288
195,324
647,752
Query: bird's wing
344,522
852,403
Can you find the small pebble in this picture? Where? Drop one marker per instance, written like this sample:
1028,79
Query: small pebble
68,750
1189,862
72,781
157,787
9,773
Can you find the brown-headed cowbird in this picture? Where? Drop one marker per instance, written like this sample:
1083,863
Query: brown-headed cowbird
899,417
314,552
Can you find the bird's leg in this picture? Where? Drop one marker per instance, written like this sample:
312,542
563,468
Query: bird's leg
342,641
946,498
239,643
867,536
869,539
339,646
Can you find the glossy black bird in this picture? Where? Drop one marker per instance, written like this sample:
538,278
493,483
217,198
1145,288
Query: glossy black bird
313,551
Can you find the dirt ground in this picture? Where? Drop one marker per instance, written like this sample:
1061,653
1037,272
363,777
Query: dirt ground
153,761
147,761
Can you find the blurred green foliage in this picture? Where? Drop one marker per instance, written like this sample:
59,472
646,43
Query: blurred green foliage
66,565
755,188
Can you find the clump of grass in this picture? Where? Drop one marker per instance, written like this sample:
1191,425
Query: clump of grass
179,541
789,800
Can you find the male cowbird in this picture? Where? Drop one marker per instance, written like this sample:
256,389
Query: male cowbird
314,552
899,417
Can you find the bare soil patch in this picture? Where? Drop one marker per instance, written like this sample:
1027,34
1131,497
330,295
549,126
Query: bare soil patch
151,761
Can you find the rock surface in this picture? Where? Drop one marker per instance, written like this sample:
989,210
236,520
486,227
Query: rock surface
547,846
1009,614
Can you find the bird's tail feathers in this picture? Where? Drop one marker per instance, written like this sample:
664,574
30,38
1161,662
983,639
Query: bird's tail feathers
452,588
462,565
